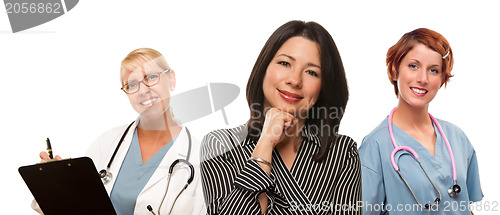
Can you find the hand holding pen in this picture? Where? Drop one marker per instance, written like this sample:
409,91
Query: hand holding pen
48,156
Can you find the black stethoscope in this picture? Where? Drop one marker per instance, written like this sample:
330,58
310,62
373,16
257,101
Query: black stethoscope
106,175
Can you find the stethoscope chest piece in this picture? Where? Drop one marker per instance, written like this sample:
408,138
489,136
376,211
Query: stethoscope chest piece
105,176
454,190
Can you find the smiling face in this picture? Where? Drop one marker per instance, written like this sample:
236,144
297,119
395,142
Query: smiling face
151,102
420,76
293,77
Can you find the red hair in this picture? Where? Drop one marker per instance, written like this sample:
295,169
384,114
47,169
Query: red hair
429,38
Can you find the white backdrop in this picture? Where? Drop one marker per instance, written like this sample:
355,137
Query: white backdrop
61,79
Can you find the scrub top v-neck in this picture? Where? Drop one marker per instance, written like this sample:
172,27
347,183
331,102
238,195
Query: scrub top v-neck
383,186
134,175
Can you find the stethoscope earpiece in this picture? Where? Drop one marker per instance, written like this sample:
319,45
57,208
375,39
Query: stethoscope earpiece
150,209
435,204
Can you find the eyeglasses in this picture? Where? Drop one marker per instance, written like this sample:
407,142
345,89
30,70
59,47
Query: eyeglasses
149,80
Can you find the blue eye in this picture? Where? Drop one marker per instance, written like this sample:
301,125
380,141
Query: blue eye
313,73
434,70
152,77
131,85
413,66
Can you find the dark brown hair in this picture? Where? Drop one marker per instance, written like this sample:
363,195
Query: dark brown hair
334,91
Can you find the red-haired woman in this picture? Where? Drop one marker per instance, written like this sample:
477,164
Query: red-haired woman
411,161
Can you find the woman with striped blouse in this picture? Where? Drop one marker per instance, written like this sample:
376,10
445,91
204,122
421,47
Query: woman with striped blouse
288,158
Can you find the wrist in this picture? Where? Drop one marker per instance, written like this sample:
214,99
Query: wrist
260,160
266,141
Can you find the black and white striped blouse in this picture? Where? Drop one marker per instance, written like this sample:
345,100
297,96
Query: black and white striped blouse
231,184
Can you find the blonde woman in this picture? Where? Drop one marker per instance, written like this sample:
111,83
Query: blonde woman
136,159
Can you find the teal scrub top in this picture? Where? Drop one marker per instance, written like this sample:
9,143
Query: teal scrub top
134,175
384,192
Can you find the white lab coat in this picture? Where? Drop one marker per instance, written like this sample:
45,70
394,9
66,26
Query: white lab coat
189,202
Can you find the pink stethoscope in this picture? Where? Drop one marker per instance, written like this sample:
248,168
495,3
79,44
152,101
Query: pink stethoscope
452,191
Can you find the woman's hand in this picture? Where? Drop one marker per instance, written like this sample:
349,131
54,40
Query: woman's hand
277,125
45,157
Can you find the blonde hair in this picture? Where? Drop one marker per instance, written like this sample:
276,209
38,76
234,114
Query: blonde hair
143,59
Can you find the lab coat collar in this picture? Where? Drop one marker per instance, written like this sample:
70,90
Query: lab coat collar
114,169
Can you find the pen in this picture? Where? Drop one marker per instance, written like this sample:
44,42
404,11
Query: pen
49,149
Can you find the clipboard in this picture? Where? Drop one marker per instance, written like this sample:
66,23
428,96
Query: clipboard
70,186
